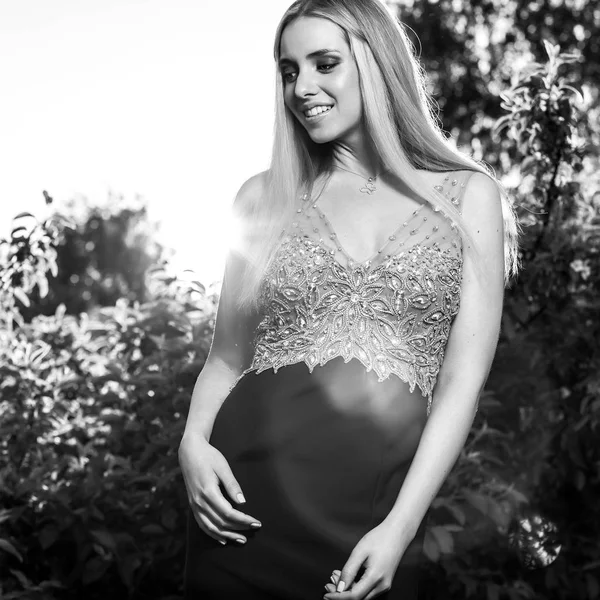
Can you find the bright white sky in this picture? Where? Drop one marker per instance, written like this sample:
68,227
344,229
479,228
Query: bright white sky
168,99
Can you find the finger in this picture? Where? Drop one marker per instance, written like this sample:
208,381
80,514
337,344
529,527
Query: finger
210,524
231,533
207,527
225,516
231,517
351,568
358,591
376,592
329,588
366,584
229,482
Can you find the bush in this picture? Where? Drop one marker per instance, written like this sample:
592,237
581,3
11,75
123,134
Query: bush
533,449
93,405
93,409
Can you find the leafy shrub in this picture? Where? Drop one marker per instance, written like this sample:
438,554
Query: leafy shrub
92,406
533,448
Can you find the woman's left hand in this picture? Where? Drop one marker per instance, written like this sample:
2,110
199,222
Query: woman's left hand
380,551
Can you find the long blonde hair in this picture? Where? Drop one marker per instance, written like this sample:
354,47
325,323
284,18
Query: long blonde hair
399,118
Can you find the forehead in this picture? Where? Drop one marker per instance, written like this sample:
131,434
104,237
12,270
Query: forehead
308,34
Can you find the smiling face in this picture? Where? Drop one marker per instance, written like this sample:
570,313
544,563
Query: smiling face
320,76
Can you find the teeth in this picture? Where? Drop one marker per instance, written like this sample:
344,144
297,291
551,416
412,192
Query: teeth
317,110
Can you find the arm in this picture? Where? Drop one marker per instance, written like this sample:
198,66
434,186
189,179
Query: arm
469,353
231,349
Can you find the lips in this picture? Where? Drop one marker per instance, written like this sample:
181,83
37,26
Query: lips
319,116
306,107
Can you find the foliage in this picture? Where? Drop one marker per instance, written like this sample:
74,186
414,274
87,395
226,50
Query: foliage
93,409
92,404
103,256
26,258
474,50
542,396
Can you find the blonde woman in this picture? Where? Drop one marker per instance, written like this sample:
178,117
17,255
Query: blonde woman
356,326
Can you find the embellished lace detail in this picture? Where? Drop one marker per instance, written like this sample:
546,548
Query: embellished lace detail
394,317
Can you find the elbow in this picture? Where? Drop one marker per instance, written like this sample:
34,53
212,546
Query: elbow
459,389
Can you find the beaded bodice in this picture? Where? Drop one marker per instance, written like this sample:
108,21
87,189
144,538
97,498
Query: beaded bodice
392,312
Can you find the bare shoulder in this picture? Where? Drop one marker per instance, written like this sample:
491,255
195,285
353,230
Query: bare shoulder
242,214
483,218
482,199
482,183
251,190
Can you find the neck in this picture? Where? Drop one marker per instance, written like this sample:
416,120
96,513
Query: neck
356,156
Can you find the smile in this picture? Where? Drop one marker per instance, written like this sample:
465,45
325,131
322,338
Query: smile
316,113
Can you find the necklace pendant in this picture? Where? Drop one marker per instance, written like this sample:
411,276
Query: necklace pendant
369,187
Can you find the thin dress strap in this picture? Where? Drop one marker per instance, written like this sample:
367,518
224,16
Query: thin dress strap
425,226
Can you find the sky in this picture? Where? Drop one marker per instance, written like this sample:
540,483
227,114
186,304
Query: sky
170,100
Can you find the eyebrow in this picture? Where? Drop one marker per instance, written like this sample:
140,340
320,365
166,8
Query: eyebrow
316,53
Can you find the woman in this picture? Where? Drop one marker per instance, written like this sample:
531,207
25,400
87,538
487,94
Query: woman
358,319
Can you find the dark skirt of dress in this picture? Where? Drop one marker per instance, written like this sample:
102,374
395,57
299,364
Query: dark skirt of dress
320,458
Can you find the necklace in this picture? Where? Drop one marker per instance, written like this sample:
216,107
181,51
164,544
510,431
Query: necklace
369,186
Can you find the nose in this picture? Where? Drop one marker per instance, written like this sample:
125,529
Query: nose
305,83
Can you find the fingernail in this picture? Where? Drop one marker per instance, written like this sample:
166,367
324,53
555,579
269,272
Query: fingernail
325,587
240,498
332,579
255,525
223,542
240,540
340,586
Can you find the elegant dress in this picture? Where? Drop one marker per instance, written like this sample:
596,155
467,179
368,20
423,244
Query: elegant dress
321,428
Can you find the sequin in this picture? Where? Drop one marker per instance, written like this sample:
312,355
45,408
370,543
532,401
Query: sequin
394,317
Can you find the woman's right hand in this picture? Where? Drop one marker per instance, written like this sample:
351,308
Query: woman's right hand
203,468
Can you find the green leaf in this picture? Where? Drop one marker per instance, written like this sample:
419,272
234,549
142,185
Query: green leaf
430,547
152,529
104,538
23,214
573,88
457,513
444,539
94,570
48,536
477,501
552,50
23,580
8,547
127,568
43,287
21,295
17,230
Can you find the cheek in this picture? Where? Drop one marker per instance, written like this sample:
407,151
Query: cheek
347,91
288,98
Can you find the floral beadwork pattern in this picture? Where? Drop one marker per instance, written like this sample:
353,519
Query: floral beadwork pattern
393,315
394,318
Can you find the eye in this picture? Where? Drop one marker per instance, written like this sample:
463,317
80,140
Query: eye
328,67
288,76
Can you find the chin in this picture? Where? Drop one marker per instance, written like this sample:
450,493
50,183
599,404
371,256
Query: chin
322,139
